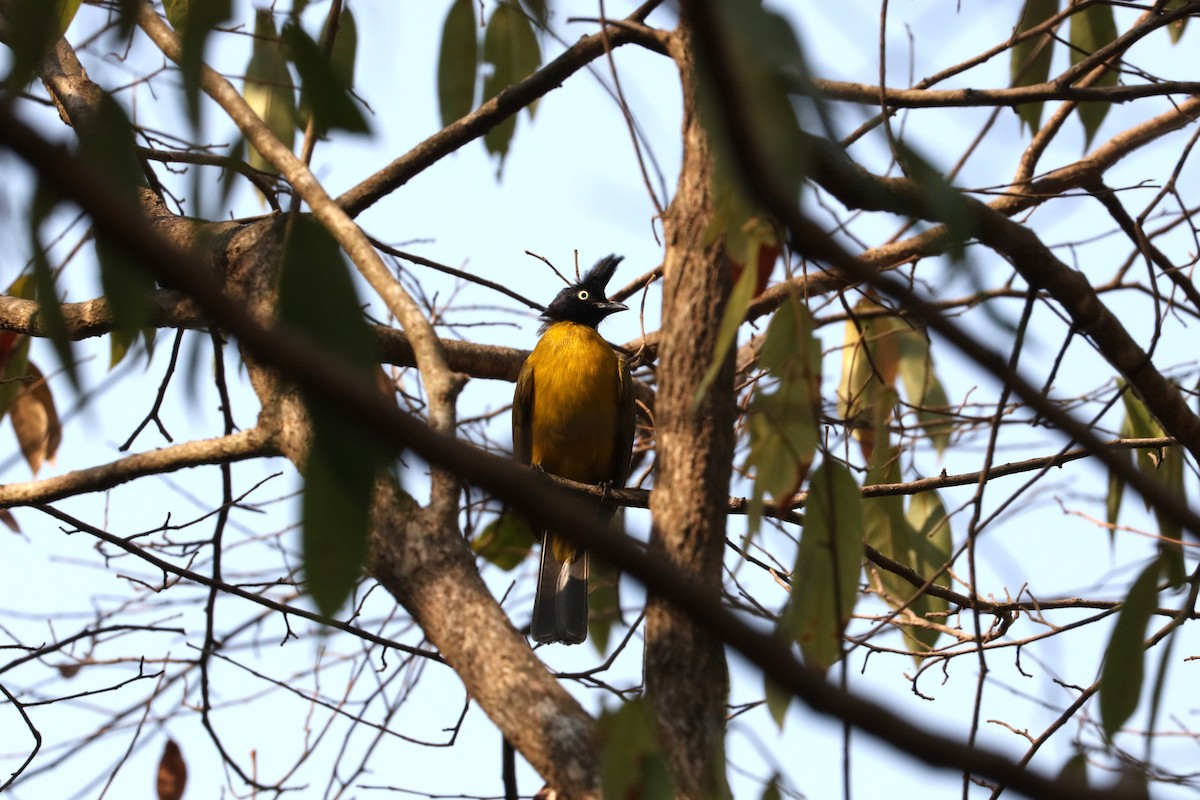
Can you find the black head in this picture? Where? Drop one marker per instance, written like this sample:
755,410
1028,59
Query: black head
586,302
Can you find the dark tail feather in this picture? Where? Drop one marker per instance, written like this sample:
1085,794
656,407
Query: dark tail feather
560,609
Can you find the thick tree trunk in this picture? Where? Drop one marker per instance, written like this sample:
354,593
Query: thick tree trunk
686,675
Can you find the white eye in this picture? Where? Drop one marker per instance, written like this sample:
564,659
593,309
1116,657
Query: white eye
583,294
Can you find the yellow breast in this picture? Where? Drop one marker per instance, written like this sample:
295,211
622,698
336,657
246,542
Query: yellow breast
577,385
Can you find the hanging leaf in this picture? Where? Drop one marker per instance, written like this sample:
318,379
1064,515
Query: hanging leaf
632,761
345,48
268,87
195,20
751,237
870,363
731,320
458,62
317,298
539,10
1175,29
35,26
778,700
784,415
1164,466
1116,484
1031,58
128,286
172,772
1123,670
506,541
923,388
604,602
47,296
1075,770
885,525
35,420
1092,29
322,92
947,202
511,47
763,61
828,562
929,550
177,13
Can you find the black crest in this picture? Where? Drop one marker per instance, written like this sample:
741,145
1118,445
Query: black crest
586,301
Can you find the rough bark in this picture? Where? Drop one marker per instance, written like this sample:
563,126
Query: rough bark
686,675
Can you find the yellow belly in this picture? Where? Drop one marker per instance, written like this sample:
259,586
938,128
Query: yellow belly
577,384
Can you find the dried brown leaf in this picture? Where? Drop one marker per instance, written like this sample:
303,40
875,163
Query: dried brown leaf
35,421
172,772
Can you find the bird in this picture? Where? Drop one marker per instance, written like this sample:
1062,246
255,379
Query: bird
573,416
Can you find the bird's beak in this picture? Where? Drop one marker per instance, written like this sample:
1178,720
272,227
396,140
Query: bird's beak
611,307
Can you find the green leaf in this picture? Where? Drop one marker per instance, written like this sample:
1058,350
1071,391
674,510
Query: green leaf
47,295
66,14
778,700
108,143
458,62
870,363
345,48
923,387
127,16
764,64
194,21
268,87
539,10
317,299
1116,484
1165,466
771,790
947,202
322,91
1092,29
511,47
1075,770
229,177
1122,674
1175,29
929,550
604,602
731,320
177,12
121,342
506,541
35,25
885,525
632,760
1031,58
784,424
825,579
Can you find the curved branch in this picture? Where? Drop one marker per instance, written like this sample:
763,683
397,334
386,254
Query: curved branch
253,443
516,97
1038,92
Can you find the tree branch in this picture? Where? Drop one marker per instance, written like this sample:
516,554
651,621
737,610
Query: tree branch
499,108
253,443
311,366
